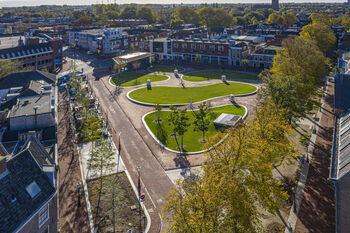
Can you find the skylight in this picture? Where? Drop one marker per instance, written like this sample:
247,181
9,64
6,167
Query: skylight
33,189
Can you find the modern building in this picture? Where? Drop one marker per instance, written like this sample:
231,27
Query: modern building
132,61
202,51
111,41
239,51
35,54
275,5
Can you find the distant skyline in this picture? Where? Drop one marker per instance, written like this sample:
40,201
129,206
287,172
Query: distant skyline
15,3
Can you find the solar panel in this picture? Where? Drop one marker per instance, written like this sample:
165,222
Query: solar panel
345,133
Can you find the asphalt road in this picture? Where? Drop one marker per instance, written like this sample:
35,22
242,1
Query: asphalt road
134,151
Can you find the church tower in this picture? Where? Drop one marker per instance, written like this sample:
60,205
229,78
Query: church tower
275,5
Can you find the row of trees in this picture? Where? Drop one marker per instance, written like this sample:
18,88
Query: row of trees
237,183
298,68
179,121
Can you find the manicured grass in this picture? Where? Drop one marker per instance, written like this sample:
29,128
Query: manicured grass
129,79
216,74
180,95
191,138
164,68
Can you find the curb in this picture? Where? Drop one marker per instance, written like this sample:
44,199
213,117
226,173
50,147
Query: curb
195,152
149,69
140,85
183,104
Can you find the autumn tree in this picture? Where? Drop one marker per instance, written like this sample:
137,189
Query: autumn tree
321,34
302,58
275,18
237,183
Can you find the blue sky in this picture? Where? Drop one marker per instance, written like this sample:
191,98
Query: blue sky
88,2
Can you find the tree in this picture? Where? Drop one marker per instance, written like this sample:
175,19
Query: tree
289,19
300,58
84,20
288,93
321,34
158,110
92,130
275,18
178,119
176,22
101,163
214,17
237,181
128,12
145,13
201,122
187,14
7,67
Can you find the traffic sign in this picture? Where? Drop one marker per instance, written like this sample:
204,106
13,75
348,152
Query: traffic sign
142,197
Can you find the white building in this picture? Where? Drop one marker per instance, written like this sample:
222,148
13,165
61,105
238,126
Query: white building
105,41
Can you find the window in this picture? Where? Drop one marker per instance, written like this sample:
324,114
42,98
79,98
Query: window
201,46
184,45
212,47
176,45
33,188
193,46
43,215
221,48
46,230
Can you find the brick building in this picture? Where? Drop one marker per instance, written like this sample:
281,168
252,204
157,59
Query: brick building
36,55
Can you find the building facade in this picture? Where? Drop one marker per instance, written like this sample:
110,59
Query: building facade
35,55
110,41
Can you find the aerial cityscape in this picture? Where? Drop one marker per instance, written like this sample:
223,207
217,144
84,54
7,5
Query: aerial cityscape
179,117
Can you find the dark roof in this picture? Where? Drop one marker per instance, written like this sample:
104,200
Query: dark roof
22,79
22,171
342,93
38,152
32,89
48,133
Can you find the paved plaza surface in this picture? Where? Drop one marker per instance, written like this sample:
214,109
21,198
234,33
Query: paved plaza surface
73,214
317,210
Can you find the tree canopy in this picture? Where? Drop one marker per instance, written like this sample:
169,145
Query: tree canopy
321,34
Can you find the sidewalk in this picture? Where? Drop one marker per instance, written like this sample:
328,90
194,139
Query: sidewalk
73,217
317,211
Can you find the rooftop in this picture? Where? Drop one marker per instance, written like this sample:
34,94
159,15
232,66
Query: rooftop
17,204
22,79
35,105
227,120
341,147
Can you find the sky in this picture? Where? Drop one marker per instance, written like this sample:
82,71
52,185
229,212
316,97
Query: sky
11,3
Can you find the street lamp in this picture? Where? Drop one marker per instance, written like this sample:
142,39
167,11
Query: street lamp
139,194
78,189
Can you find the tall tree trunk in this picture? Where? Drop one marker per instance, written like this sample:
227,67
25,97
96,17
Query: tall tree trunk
178,146
182,142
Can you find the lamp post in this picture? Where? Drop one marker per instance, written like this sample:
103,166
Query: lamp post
78,189
139,193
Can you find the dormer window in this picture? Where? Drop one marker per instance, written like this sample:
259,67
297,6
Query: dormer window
33,189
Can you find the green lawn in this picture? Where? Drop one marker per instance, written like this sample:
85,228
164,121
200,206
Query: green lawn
216,74
191,138
129,79
180,95
164,68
